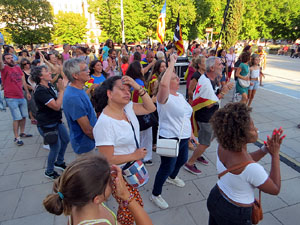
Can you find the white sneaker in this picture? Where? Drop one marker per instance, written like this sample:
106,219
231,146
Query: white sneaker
159,201
177,181
46,147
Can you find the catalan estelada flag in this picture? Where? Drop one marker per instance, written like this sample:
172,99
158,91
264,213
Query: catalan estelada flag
178,38
204,95
161,23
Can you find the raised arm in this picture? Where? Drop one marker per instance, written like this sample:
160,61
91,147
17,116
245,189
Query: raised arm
273,183
164,86
140,108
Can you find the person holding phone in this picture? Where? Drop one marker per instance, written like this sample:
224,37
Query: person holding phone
117,131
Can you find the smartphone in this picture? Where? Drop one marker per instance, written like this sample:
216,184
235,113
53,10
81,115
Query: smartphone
194,143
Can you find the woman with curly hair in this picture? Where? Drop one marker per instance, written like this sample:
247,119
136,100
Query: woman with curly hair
231,199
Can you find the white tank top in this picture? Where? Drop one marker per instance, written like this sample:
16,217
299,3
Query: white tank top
255,73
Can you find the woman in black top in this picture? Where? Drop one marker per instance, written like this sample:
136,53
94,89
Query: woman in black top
49,117
25,66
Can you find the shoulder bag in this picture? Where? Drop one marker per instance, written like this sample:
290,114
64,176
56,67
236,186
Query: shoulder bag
257,213
245,83
135,172
168,147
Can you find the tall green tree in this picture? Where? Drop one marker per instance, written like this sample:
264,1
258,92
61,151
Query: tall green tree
232,23
69,28
140,18
28,21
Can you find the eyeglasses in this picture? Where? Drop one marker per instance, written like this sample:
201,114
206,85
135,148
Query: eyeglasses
86,69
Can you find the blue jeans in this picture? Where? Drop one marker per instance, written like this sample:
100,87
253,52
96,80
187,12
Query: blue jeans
223,212
170,166
57,150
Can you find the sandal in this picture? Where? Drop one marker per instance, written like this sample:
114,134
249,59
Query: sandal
23,135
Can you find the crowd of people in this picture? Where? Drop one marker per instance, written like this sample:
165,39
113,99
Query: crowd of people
118,104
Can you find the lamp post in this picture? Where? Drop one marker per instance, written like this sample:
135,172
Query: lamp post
122,23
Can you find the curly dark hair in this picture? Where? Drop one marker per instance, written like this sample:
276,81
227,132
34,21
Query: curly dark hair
99,98
231,126
92,66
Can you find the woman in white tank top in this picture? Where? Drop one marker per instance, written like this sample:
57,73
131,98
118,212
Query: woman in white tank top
230,201
255,73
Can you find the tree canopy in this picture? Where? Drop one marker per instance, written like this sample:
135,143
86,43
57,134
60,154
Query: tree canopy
28,21
69,28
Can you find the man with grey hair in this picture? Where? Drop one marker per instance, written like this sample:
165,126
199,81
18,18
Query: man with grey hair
77,107
205,103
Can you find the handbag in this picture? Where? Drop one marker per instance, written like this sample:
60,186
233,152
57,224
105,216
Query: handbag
135,172
147,121
244,83
50,134
168,147
257,213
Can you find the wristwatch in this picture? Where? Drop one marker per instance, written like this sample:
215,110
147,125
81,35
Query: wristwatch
126,202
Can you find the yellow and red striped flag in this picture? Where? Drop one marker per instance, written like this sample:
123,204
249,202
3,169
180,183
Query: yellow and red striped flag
161,23
178,38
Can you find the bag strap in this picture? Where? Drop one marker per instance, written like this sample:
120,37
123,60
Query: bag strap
135,139
241,165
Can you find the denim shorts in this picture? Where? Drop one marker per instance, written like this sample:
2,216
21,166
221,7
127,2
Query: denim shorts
18,107
253,85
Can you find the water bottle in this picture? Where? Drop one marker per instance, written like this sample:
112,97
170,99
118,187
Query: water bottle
1,39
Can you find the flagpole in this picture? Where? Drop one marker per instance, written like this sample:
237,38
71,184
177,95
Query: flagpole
122,23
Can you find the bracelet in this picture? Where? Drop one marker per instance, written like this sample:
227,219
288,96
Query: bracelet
143,93
264,149
126,202
222,93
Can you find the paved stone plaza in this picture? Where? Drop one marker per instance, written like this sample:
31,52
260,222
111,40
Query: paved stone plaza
23,185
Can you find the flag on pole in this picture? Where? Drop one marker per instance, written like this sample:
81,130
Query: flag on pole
161,23
178,38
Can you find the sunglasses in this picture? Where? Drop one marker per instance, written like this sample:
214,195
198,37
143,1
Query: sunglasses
25,64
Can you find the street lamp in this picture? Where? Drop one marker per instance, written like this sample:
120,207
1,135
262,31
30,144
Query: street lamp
122,23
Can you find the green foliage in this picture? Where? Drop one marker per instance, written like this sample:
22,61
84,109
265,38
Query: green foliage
276,19
69,28
7,36
233,23
140,18
28,21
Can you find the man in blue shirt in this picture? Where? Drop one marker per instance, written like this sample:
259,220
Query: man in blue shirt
77,107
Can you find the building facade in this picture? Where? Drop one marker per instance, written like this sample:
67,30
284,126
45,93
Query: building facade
79,6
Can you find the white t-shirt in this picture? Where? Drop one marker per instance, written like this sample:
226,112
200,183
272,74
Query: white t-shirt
240,188
175,112
118,133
